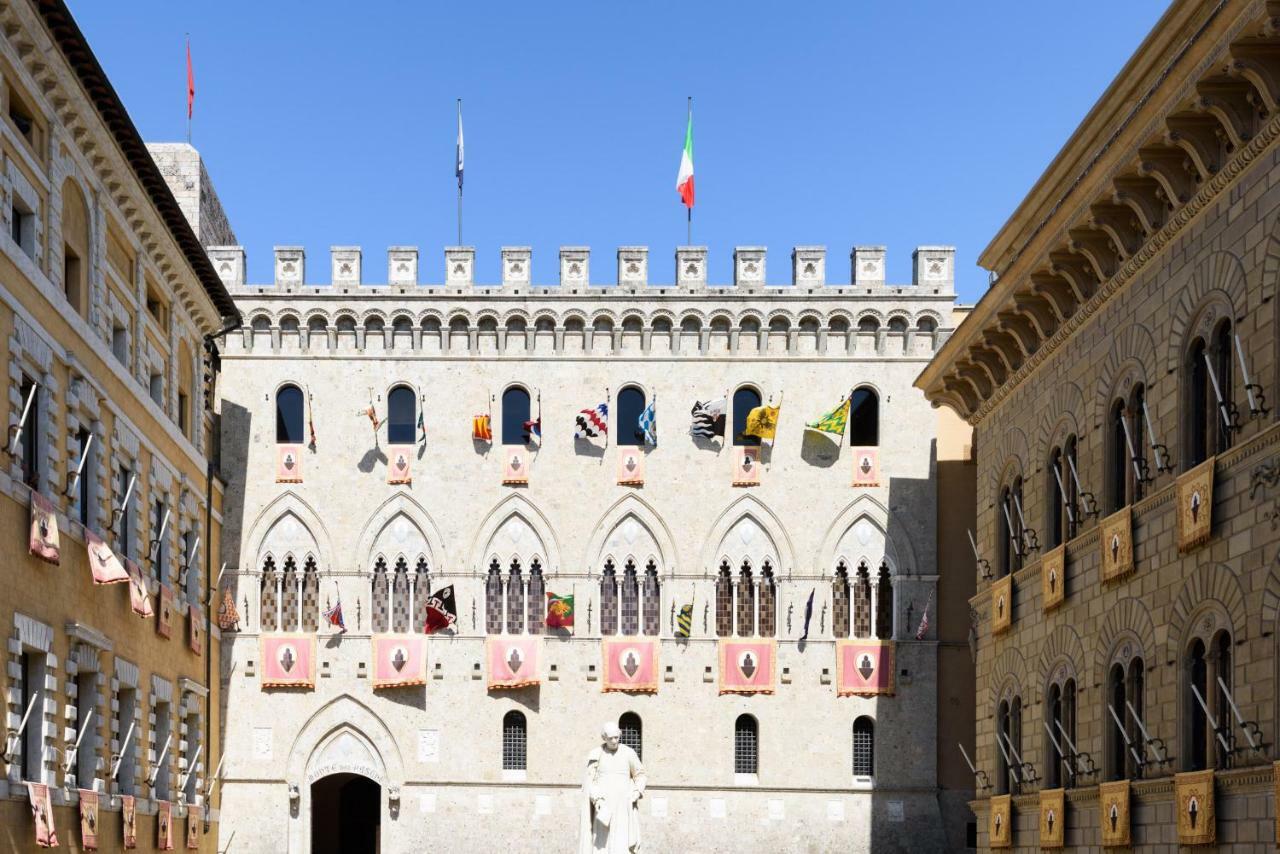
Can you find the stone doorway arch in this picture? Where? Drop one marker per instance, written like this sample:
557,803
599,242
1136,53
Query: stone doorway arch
346,815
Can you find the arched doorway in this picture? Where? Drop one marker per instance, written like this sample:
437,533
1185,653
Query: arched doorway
346,813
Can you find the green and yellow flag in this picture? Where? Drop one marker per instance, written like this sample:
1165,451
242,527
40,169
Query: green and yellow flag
762,422
834,421
684,620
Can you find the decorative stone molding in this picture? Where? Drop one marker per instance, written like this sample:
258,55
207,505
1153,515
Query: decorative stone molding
460,266
345,265
229,262
515,265
809,266
402,266
691,266
575,266
88,635
934,266
748,266
291,264
633,266
868,263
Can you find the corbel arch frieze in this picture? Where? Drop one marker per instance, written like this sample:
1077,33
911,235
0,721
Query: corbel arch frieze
1038,311
964,392
992,361
1057,293
1258,62
1227,100
1145,197
1103,258
1172,169
977,376
1200,137
1012,328
1120,225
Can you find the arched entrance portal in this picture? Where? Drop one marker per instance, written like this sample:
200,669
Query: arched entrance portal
346,813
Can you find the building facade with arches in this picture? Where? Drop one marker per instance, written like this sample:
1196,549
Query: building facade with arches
340,522
1121,378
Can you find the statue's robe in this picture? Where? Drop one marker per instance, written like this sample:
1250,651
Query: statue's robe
610,802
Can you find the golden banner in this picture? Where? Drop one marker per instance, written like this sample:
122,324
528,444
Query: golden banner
1053,578
1000,821
1116,538
1002,605
1113,810
1193,799
1053,824
1195,505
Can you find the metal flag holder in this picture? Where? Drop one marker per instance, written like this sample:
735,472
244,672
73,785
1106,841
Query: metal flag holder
1159,750
1224,732
117,513
1084,764
1164,459
1025,769
69,755
1014,771
980,777
1088,501
155,772
1029,536
191,769
1227,408
1141,470
983,565
74,480
191,558
1257,399
118,759
153,548
1138,758
15,432
14,736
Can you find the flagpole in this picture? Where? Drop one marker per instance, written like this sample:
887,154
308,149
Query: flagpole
459,171
688,236
188,88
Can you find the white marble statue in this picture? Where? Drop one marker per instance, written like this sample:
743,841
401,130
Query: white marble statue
611,796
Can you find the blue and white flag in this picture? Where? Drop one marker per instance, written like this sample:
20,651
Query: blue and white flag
458,165
648,423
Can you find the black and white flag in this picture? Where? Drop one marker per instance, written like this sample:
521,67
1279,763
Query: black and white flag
708,418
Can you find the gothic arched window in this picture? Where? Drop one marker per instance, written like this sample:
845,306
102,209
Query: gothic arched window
402,416
766,603
289,415
884,604
864,418
631,405
840,601
746,745
608,599
746,604
493,599
268,616
630,599
864,745
515,742
724,601
380,597
537,610
515,411
652,600
515,598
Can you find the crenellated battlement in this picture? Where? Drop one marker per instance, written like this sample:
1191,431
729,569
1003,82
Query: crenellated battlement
933,270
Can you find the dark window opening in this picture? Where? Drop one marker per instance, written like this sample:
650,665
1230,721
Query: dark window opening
745,399
631,405
515,411
746,745
401,416
864,418
515,742
289,415
864,740
30,432
632,732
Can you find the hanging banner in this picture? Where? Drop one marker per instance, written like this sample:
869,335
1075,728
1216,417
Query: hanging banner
1053,584
398,466
1116,538
129,821
1000,820
1053,825
164,825
513,661
1195,505
288,464
746,466
42,814
630,665
228,616
1193,799
164,617
630,466
1002,605
44,542
515,464
866,466
195,630
193,827
399,660
289,661
139,596
864,667
747,666
103,563
88,819
1113,810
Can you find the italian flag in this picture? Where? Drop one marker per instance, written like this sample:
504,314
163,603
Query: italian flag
684,180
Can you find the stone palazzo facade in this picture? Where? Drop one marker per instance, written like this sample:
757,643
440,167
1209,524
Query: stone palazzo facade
1121,374
458,764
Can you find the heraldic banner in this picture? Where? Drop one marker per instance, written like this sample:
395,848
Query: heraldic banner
1053,585
139,594
398,467
288,464
103,563
1001,605
866,466
1000,820
1052,818
399,660
1116,540
164,620
164,825
515,464
193,827
863,667
1195,505
44,542
88,819
1113,812
288,661
514,661
747,666
746,466
42,813
1193,799
630,665
195,630
129,820
630,466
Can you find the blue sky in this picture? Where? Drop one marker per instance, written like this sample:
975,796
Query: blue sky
836,124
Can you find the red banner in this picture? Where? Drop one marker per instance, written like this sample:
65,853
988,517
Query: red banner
193,827
44,542
630,665
42,813
129,821
288,464
103,563
747,666
164,619
195,630
164,825
139,596
514,661
399,660
864,667
88,820
288,661
398,467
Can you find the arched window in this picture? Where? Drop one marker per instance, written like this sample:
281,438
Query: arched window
310,595
1210,378
862,602
402,416
515,742
1124,690
515,411
267,598
1205,664
868,324
1009,736
766,603
380,597
493,599
1061,714
1009,526
289,600
609,599
724,601
289,415
840,601
537,610
632,732
400,596
630,599
630,406
746,601
515,598
652,599
884,604
864,418
745,399
422,593
864,747
746,745
1060,489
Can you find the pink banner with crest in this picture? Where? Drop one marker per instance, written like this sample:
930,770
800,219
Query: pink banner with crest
44,542
129,820
164,622
514,661
399,660
164,825
866,466
398,464
863,667
139,595
103,563
288,464
42,814
630,665
288,661
747,666
88,819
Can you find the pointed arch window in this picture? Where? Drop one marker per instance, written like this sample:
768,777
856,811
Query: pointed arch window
840,601
380,597
421,593
745,399
400,596
291,599
652,599
631,403
632,732
515,598
310,595
268,615
766,603
537,609
864,418
493,599
884,603
289,415
630,599
862,602
864,747
402,416
608,599
515,411
724,601
746,604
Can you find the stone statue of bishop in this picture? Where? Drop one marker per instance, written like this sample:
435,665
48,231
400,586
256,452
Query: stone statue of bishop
611,796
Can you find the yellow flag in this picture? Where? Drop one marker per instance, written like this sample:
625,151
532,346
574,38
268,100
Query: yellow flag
762,422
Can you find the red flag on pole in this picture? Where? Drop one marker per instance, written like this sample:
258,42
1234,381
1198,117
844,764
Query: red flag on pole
191,83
